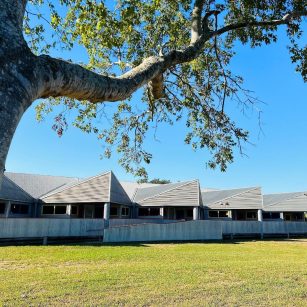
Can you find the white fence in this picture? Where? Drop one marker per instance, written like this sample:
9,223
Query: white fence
40,227
143,230
180,231
125,222
201,230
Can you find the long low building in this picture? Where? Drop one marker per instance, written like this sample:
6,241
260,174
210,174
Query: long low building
105,197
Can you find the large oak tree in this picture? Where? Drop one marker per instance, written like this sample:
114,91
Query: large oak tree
178,52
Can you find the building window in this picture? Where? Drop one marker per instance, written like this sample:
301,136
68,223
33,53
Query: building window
125,211
251,215
48,210
54,209
189,213
74,210
218,214
149,211
60,210
98,212
114,211
223,214
270,215
19,209
213,214
2,208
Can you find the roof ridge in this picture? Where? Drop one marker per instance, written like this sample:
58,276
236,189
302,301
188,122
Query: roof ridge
76,184
183,184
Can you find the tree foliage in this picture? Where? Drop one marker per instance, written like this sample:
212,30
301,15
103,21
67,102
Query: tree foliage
155,181
119,35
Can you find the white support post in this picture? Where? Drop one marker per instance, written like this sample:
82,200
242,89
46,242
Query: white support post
162,212
106,214
68,210
196,213
106,211
260,219
7,209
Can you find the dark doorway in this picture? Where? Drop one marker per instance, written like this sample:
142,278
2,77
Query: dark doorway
179,214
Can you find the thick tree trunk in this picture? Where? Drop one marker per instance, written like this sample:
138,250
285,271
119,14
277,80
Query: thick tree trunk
18,86
11,111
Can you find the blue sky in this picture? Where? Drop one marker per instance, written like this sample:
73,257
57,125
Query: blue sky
276,159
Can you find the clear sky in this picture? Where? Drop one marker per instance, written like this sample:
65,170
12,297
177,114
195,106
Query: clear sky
276,159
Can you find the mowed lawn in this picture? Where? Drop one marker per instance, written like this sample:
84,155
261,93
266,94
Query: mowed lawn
247,273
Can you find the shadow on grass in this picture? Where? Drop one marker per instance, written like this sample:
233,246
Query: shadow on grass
99,243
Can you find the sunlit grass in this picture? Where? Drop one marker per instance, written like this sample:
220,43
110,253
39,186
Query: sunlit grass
240,273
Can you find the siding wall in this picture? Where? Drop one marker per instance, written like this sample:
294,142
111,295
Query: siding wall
248,200
186,196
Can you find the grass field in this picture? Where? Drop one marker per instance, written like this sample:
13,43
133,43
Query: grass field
247,273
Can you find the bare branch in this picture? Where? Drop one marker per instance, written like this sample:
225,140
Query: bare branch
285,20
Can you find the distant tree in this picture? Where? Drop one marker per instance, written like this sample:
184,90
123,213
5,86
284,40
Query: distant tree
155,181
160,181
177,51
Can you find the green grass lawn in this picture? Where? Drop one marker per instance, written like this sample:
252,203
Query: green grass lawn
248,273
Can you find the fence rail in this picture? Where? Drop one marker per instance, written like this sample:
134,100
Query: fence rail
143,230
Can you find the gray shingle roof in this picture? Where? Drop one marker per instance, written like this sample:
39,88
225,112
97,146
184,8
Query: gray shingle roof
118,194
272,199
285,202
98,189
10,191
131,187
90,190
221,195
147,192
244,198
174,194
38,185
